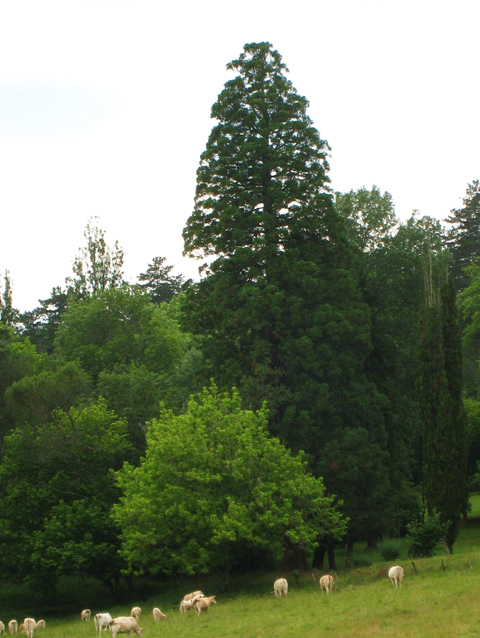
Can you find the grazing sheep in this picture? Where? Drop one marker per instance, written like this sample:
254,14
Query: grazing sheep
326,583
202,603
30,626
396,575
41,624
21,629
85,615
102,621
2,628
280,587
13,627
125,625
157,614
192,595
185,606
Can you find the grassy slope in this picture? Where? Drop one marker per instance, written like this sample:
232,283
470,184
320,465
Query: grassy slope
431,603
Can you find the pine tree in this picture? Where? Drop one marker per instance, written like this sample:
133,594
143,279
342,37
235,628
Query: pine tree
279,308
463,238
159,283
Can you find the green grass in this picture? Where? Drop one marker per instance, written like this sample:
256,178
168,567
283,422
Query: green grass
439,598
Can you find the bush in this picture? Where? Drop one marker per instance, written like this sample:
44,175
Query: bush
390,549
426,534
361,560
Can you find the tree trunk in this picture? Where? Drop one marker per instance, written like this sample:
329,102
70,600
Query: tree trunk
130,586
331,556
319,556
349,554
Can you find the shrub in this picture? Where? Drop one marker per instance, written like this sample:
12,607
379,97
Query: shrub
362,560
426,534
390,549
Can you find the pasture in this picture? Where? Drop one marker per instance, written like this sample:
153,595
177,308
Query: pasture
439,597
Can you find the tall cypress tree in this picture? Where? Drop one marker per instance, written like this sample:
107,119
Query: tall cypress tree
279,308
439,383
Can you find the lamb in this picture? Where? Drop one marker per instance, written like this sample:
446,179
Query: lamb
13,627
85,615
280,587
102,621
125,625
2,628
136,613
185,606
326,583
157,614
21,629
30,626
396,575
41,624
202,603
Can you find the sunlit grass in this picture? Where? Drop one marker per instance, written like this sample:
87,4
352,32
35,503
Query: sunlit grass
439,598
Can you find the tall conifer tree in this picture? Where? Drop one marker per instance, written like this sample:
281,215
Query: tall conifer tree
279,309
439,382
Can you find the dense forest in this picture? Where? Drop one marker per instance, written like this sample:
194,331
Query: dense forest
317,386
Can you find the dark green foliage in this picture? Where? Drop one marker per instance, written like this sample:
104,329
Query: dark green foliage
18,359
41,324
442,412
159,284
463,239
470,307
425,534
133,351
55,479
390,549
58,386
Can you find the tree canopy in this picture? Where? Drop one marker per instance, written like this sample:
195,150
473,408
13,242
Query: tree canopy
214,487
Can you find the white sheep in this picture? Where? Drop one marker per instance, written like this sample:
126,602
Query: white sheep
136,613
326,583
396,575
280,587
202,603
157,614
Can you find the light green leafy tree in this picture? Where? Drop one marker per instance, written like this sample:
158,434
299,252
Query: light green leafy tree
215,487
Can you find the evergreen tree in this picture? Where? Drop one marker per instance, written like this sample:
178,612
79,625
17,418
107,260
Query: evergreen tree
159,283
463,238
279,309
439,383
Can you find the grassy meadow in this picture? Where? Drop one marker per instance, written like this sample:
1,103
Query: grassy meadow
439,597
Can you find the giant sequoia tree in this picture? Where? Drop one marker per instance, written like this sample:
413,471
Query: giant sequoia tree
279,309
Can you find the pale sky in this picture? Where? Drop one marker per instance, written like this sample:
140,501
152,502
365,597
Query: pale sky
105,110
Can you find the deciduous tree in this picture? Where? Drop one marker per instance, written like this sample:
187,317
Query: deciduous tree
214,487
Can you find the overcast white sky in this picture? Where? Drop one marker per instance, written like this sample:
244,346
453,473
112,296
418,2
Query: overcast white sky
105,109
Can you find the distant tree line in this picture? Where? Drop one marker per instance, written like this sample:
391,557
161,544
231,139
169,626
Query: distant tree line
317,387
